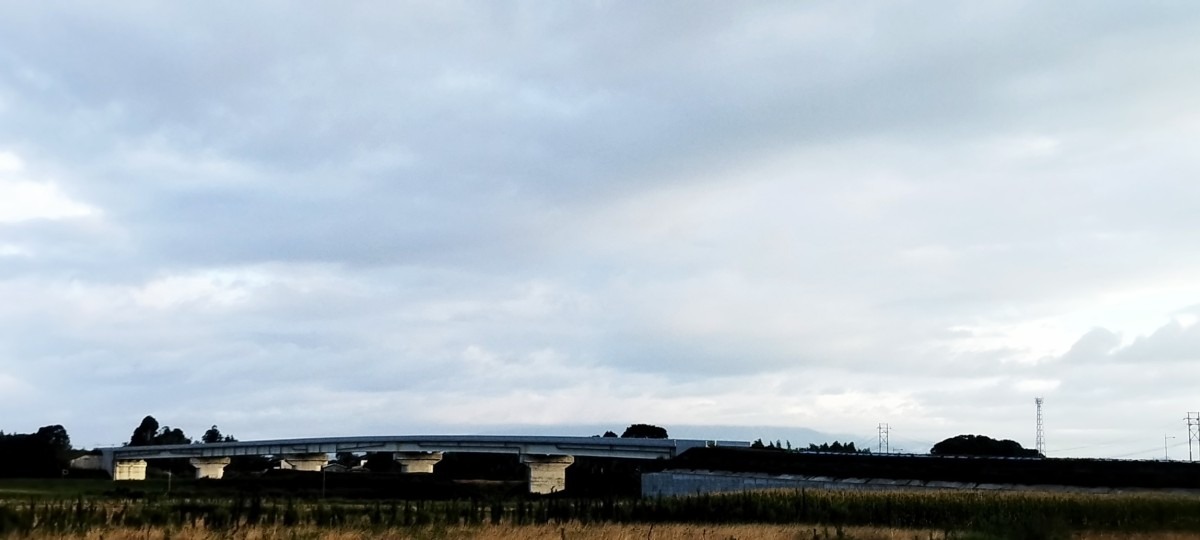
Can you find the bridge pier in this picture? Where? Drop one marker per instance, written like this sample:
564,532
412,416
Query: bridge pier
547,458
417,462
547,474
210,467
129,469
304,462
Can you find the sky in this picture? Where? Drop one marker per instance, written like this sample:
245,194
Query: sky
723,218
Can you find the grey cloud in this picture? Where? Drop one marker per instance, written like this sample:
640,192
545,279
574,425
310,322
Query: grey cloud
1093,347
1171,343
325,213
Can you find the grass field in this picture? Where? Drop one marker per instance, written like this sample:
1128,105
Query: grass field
573,531
23,489
87,509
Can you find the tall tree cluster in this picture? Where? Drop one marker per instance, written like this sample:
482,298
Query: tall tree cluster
644,431
148,433
981,445
45,453
213,435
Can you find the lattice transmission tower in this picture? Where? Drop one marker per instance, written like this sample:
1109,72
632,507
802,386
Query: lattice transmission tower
1193,423
1041,431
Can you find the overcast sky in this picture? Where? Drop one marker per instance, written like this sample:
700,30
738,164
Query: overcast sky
404,218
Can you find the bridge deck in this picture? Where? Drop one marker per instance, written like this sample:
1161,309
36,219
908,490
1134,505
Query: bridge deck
573,446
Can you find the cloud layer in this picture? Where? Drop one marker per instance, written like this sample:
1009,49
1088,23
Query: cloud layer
445,217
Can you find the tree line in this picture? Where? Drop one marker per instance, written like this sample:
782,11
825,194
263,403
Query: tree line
149,433
959,445
638,431
836,447
45,453
48,451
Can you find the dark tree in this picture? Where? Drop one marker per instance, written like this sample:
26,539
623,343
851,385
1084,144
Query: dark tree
144,434
847,448
248,464
55,436
610,435
348,459
166,435
38,455
213,435
644,431
769,445
981,445
380,462
150,434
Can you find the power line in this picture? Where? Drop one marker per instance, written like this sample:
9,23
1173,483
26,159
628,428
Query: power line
864,443
892,431
1086,446
1147,451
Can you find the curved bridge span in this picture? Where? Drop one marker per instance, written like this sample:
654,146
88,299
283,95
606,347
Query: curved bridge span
546,458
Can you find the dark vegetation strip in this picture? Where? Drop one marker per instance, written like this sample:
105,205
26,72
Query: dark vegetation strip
950,511
1030,471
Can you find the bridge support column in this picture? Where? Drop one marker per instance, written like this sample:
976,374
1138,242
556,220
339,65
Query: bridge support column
129,469
210,467
547,474
417,462
304,462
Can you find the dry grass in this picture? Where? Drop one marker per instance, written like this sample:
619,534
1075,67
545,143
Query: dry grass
551,532
1137,536
498,532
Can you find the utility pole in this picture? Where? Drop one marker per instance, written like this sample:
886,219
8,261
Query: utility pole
1193,424
884,446
1165,438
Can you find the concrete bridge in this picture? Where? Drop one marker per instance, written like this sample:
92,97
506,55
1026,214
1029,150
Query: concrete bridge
547,458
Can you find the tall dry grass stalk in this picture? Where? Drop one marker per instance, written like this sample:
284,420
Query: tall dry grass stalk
573,531
505,532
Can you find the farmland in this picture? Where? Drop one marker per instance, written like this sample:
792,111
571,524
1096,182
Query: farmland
780,514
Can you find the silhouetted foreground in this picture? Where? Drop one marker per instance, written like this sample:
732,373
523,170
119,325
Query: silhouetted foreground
1016,515
34,455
